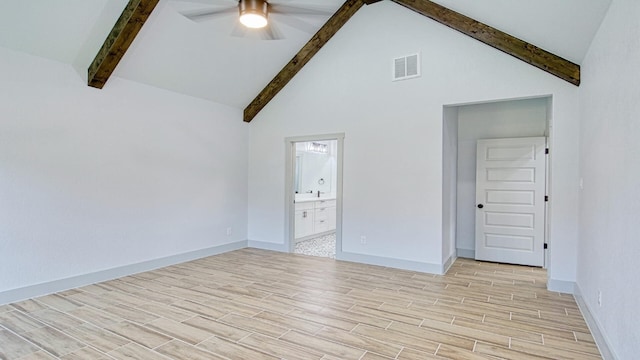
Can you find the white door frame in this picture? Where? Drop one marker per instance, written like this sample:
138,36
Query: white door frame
289,190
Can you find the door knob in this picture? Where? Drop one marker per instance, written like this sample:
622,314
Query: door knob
480,206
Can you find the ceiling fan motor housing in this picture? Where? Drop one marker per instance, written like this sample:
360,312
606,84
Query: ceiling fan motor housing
254,7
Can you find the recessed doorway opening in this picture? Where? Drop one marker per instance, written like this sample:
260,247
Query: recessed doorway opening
465,127
313,195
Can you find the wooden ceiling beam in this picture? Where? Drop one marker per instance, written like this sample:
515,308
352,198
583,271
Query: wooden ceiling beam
511,45
133,17
326,32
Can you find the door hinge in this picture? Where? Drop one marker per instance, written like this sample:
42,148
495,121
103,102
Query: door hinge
546,198
546,151
546,246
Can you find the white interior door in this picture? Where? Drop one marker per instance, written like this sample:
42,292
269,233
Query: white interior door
510,196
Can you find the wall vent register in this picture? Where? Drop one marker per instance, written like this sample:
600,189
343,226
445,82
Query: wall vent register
407,67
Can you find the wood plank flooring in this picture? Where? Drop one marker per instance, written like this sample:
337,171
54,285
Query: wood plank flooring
255,304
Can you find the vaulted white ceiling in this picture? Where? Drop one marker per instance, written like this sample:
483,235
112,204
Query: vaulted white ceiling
563,27
204,60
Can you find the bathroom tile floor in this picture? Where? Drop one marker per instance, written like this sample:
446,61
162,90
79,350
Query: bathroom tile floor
257,304
324,246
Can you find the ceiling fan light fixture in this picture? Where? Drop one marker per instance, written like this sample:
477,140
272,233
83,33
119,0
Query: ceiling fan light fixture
253,13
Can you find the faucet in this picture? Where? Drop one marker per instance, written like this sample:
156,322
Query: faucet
320,192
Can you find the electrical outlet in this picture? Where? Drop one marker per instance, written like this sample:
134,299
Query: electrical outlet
599,298
229,231
363,239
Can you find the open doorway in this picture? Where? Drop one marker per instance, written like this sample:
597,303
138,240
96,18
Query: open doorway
465,126
313,195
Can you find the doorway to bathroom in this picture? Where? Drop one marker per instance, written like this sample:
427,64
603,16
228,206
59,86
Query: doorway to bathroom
314,195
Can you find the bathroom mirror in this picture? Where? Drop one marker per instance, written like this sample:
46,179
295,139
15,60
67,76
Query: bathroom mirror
315,167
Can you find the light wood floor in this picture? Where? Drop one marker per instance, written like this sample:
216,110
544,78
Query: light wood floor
254,304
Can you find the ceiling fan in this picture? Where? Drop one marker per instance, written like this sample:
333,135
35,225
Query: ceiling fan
255,16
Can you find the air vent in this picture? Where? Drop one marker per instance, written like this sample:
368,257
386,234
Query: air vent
407,67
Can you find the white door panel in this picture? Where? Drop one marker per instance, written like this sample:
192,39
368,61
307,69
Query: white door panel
514,220
510,191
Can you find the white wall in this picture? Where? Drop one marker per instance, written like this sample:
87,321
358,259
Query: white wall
610,166
504,119
393,135
449,182
98,179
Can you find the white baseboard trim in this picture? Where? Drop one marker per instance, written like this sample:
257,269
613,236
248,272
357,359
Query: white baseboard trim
596,330
263,245
364,259
447,264
51,287
392,263
466,253
561,286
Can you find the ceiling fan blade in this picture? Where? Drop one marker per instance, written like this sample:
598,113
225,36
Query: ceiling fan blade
271,32
205,2
203,15
239,30
299,10
297,23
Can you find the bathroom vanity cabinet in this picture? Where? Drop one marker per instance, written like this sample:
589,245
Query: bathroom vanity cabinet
314,217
